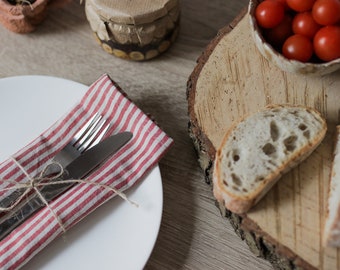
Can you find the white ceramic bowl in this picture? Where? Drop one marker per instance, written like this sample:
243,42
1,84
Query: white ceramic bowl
278,59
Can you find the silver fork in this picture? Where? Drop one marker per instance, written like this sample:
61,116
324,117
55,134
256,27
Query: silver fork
88,136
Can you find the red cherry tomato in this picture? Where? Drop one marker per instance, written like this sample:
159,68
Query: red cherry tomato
327,43
298,47
300,5
269,14
284,3
304,24
276,36
326,12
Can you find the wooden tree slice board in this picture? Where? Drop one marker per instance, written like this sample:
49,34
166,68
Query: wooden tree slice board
232,79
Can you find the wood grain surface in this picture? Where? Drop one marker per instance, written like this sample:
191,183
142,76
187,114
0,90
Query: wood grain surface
233,80
193,235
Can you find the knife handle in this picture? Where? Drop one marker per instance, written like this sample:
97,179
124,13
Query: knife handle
22,212
8,200
15,195
8,224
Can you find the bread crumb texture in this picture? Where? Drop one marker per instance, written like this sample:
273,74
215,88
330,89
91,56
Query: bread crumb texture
258,150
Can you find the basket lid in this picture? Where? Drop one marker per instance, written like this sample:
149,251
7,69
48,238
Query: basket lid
133,12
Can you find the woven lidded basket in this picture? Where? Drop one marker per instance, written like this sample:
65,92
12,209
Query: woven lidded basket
134,29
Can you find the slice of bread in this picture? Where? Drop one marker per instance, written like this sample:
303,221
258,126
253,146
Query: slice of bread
331,234
256,151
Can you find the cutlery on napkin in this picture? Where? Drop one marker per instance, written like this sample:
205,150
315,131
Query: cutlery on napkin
122,171
69,176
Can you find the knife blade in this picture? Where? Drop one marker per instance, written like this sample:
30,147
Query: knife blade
77,169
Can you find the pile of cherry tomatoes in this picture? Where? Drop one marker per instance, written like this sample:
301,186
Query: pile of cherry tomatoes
303,30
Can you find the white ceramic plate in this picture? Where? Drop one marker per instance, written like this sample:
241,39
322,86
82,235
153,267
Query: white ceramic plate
115,236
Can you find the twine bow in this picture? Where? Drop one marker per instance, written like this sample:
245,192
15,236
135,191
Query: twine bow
41,180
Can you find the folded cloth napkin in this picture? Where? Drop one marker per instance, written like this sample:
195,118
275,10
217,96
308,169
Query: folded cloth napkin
123,170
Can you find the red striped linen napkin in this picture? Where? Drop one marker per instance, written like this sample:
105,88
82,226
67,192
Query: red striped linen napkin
123,170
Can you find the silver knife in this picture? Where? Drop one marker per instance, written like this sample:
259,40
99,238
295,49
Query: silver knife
77,169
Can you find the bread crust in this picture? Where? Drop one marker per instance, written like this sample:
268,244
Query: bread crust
241,204
331,233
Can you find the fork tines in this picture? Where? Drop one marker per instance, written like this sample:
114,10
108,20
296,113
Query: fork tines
91,133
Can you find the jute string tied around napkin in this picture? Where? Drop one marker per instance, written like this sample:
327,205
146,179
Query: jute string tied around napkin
41,180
